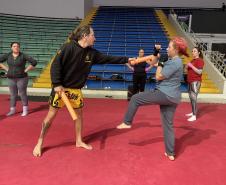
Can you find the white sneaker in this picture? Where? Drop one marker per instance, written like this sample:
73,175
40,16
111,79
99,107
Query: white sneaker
11,112
25,111
193,118
188,115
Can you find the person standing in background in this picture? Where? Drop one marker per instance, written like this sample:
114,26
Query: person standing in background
17,76
194,79
223,7
139,74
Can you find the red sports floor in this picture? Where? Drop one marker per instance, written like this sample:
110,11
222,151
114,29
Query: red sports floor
131,157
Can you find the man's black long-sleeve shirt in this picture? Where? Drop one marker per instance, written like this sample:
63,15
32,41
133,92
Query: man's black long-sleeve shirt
73,63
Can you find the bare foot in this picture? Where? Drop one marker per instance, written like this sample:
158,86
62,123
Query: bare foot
123,126
37,152
83,145
170,157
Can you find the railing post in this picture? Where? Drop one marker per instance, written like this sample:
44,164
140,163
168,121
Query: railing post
190,21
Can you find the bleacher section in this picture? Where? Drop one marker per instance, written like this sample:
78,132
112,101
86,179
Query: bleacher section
39,38
122,31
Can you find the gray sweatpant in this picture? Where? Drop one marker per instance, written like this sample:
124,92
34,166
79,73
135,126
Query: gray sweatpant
167,110
15,85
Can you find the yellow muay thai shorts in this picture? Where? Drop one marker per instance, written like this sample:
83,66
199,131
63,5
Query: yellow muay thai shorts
75,97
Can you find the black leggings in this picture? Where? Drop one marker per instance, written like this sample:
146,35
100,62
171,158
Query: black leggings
193,90
139,81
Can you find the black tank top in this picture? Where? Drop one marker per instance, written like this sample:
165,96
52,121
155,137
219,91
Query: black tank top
140,68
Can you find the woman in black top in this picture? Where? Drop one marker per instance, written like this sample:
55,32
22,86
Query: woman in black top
17,76
139,74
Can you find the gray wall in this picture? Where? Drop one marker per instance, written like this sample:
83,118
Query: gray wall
79,8
161,3
46,8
